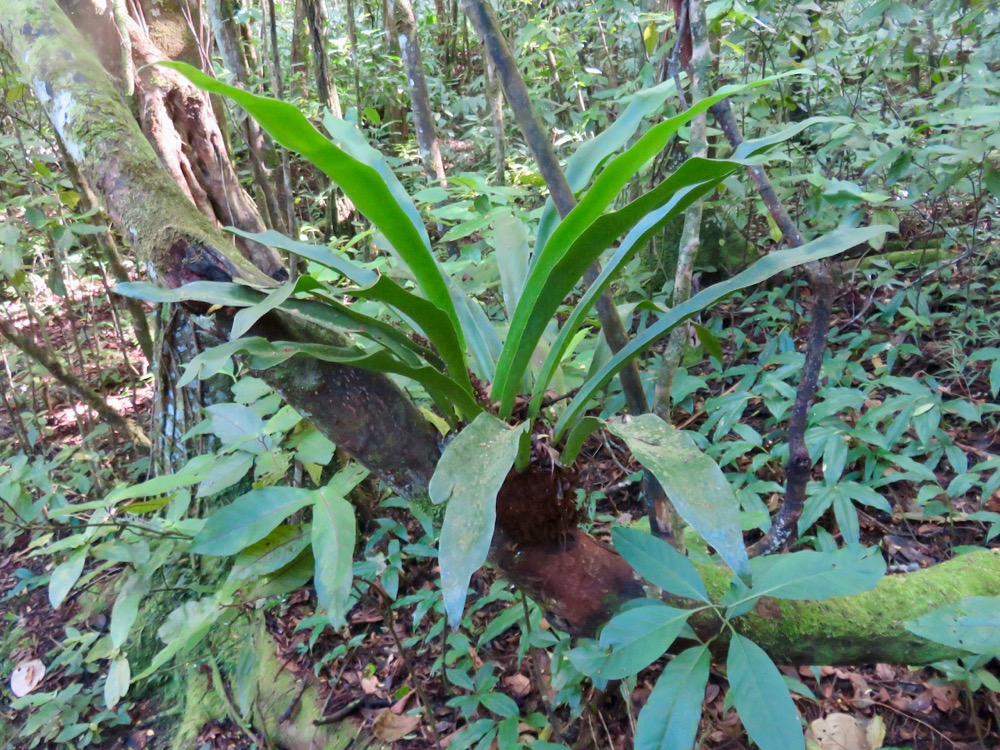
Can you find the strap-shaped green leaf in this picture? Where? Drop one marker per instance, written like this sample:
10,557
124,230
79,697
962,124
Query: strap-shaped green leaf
626,165
363,184
553,277
826,246
469,476
447,394
636,238
694,483
428,319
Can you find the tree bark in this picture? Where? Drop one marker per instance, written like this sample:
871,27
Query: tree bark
420,103
326,87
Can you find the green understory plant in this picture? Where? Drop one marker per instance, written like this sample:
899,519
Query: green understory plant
412,320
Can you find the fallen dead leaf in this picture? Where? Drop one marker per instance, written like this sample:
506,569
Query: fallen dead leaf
26,676
518,685
839,731
388,727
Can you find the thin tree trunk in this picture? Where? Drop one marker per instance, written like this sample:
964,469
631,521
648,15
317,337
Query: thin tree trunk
227,39
420,103
699,68
326,87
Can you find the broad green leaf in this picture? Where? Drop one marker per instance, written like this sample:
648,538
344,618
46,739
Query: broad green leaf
64,577
117,683
510,242
366,186
694,483
228,470
333,537
816,575
638,637
126,608
273,552
248,519
469,476
826,246
184,627
669,720
194,471
238,426
972,624
659,563
761,697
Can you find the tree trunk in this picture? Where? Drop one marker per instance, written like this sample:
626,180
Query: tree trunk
420,103
326,87
263,158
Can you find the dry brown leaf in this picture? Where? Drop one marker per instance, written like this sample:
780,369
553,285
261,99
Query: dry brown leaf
518,685
840,731
26,676
369,685
388,727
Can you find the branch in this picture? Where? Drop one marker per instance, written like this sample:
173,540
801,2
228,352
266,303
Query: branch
784,529
74,384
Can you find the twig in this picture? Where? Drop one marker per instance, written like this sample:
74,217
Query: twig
341,713
386,601
287,713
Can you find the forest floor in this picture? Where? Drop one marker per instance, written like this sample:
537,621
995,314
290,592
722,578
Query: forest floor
373,679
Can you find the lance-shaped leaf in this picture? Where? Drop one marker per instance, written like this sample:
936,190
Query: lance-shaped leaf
972,624
659,563
826,246
469,476
669,720
692,180
638,637
333,537
448,394
248,519
592,153
365,185
694,483
423,316
809,574
761,697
